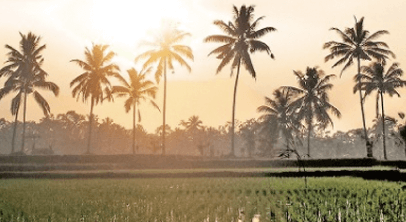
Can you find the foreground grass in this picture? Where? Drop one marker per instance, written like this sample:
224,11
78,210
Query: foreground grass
202,199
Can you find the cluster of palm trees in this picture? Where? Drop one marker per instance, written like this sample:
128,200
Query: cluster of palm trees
94,81
358,44
24,76
292,105
310,101
292,110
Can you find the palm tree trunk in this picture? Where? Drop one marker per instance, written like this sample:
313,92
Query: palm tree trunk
287,145
14,134
164,112
383,129
309,129
134,125
90,126
24,113
233,115
367,143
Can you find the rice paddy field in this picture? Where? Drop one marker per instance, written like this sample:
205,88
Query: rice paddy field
202,199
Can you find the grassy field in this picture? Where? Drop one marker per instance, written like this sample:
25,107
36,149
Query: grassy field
202,199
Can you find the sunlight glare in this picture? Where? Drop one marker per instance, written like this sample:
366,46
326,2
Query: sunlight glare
126,23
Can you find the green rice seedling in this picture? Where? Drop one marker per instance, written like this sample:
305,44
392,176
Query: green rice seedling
201,199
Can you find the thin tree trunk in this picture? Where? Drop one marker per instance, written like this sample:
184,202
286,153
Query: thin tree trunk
308,137
233,115
134,125
24,113
287,146
14,134
405,147
90,126
383,129
367,143
164,112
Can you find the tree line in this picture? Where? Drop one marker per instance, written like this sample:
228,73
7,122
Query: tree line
293,114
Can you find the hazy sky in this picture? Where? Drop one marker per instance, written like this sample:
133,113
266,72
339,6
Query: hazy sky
68,26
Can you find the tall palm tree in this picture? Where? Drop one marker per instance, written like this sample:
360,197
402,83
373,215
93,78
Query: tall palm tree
240,39
25,76
357,43
279,115
312,102
166,50
94,82
137,90
374,78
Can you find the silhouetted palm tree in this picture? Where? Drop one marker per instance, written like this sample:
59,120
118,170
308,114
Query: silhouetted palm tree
25,76
374,78
358,44
249,132
94,82
240,40
312,102
280,116
137,90
160,129
166,50
192,124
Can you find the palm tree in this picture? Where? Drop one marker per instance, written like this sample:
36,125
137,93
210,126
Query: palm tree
279,115
312,102
240,40
166,50
137,90
94,82
25,76
374,78
192,124
248,132
358,44
160,129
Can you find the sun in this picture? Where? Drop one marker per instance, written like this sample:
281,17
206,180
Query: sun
126,23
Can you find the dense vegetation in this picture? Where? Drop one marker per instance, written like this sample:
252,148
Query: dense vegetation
66,134
327,199
293,115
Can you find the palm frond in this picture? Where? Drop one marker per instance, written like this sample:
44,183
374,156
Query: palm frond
15,103
259,33
6,90
155,105
222,50
227,58
128,104
80,79
42,103
219,38
246,60
344,36
179,36
47,86
229,30
184,50
256,45
376,35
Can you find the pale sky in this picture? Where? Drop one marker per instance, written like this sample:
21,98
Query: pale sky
68,26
